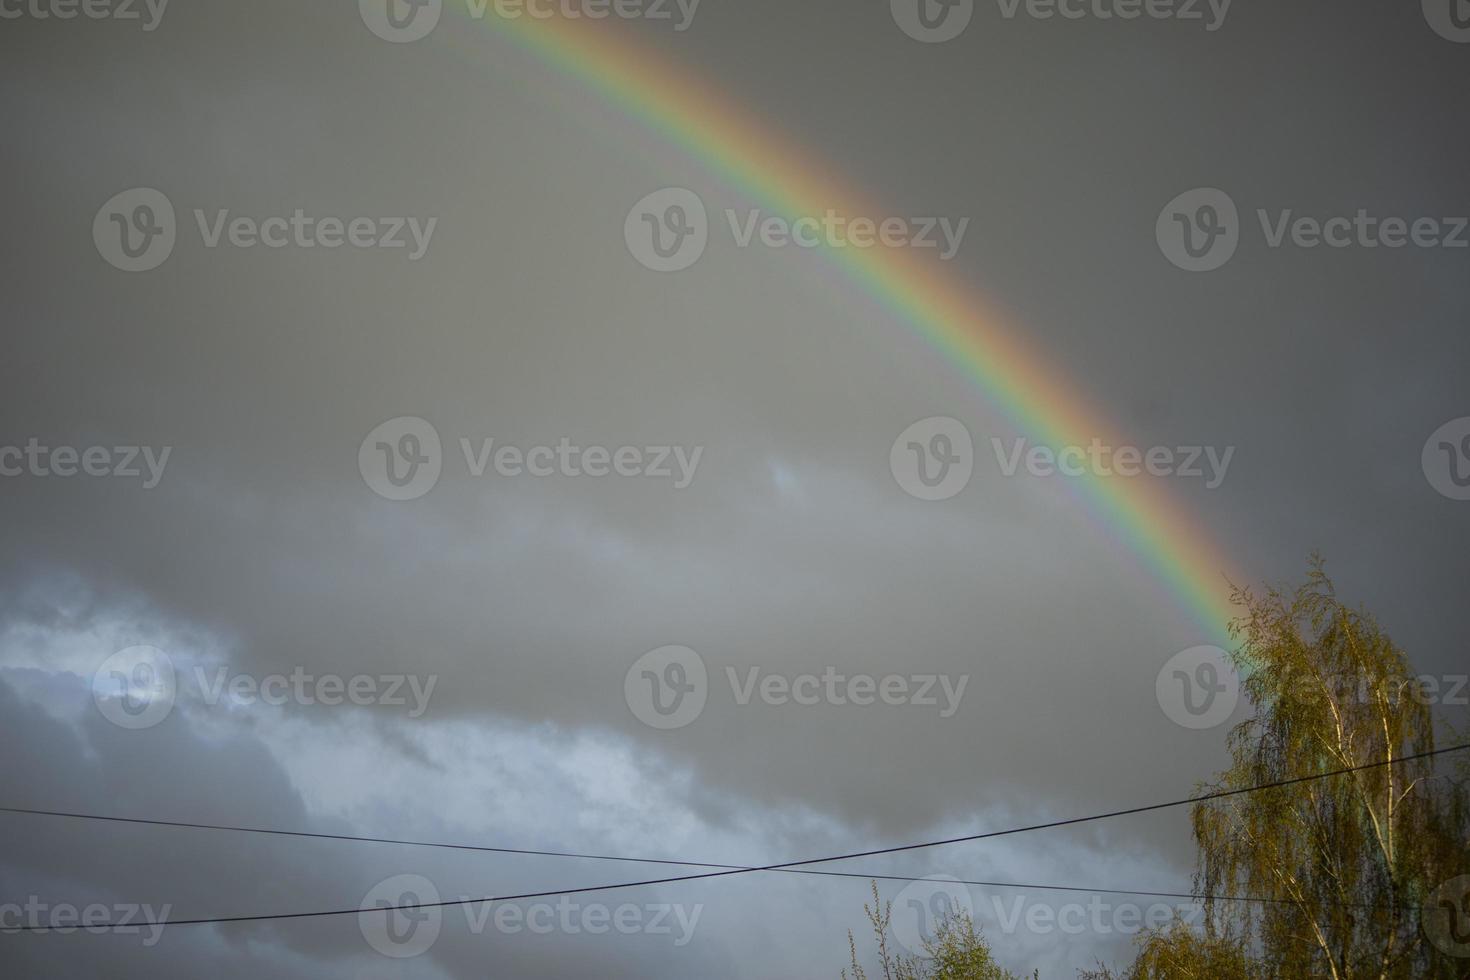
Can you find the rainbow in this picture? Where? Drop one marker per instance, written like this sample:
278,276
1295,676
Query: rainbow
770,170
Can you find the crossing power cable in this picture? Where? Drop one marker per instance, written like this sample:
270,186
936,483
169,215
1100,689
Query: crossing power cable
578,855
723,872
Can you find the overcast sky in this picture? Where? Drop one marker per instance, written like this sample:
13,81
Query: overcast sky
772,529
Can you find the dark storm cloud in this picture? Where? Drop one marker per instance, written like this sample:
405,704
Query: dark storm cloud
793,550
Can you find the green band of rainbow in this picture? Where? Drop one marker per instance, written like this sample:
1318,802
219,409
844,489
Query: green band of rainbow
758,162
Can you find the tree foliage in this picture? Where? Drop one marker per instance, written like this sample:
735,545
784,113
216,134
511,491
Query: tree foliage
1343,871
1348,862
1180,953
957,951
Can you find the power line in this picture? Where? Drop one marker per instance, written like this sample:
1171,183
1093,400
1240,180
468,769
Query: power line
726,871
618,857
621,857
